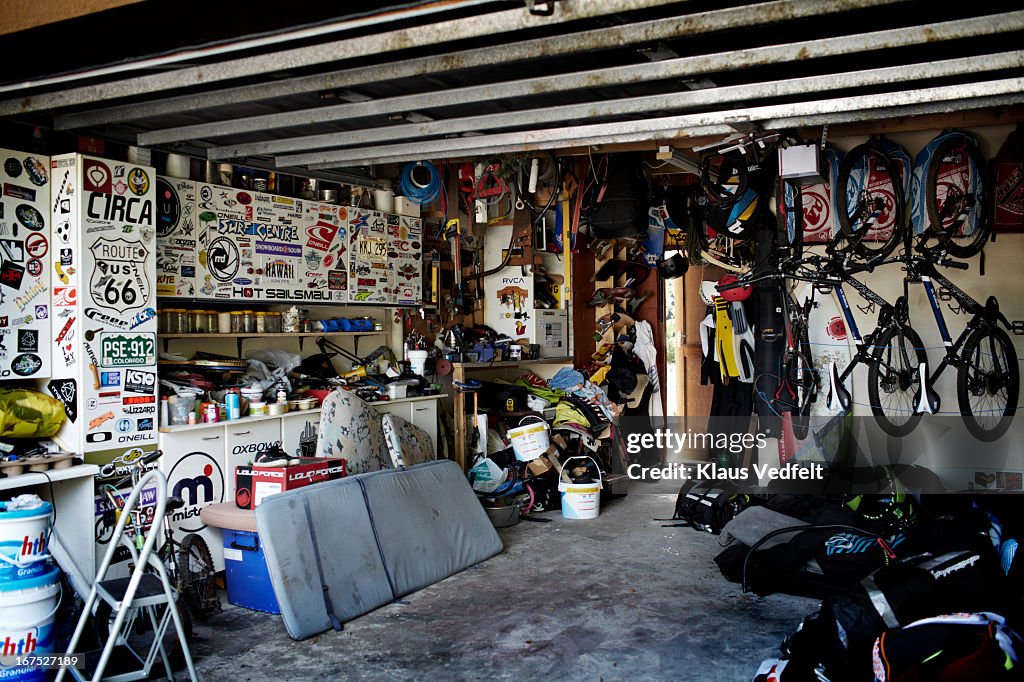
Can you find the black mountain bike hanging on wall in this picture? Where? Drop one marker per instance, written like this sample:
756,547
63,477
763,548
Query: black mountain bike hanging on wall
988,374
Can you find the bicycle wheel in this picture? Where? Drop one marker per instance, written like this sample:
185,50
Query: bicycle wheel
724,177
790,215
195,566
959,197
894,380
870,201
988,383
802,379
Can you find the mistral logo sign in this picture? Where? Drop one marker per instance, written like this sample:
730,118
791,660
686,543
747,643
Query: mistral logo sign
198,479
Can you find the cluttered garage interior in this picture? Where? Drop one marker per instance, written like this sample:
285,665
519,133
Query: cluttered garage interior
512,340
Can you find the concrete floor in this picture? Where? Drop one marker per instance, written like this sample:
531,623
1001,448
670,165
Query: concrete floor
615,598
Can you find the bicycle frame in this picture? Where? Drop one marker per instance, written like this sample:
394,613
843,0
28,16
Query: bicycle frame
982,315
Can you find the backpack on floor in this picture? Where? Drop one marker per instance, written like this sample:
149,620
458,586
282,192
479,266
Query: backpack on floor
962,647
709,505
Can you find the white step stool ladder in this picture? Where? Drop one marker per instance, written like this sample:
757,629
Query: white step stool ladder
140,595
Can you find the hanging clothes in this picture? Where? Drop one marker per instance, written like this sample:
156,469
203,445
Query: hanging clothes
648,354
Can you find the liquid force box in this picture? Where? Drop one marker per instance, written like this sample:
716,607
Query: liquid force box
253,484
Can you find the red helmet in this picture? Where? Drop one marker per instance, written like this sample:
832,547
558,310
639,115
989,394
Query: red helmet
737,294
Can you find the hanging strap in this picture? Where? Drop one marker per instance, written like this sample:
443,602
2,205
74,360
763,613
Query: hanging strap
335,623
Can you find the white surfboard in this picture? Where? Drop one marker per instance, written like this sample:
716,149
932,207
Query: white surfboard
829,341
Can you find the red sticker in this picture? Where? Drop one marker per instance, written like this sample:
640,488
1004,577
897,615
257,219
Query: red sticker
96,176
34,267
36,245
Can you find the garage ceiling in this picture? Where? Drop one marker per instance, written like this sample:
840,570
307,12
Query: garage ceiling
460,79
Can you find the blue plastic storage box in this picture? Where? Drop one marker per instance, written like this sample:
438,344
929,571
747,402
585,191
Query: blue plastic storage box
246,574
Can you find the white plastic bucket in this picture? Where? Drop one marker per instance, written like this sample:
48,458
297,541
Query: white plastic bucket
24,536
580,500
418,361
530,441
26,623
384,200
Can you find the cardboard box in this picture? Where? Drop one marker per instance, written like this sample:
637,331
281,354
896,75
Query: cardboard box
253,484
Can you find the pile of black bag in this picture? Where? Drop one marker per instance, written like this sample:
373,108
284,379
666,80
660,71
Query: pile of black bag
913,587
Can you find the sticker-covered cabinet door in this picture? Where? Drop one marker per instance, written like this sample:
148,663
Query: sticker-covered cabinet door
405,258
325,250
175,237
25,257
369,274
104,318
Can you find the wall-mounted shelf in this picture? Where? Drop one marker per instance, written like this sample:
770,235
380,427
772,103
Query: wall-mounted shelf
513,363
301,336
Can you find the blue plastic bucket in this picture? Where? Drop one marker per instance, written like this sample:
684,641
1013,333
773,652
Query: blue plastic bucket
24,539
26,623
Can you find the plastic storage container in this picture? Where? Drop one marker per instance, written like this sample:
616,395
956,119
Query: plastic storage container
246,573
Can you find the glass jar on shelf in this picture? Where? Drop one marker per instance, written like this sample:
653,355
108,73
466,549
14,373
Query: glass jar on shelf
224,323
236,322
273,322
197,321
161,321
248,322
261,322
179,321
211,321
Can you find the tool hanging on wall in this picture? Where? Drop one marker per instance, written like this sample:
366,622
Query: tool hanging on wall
521,238
457,302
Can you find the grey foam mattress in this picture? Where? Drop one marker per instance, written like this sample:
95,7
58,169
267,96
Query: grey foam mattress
378,536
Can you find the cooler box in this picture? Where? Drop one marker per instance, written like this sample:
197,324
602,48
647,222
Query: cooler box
245,565
254,483
245,572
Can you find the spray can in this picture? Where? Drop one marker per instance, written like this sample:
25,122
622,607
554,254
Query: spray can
234,405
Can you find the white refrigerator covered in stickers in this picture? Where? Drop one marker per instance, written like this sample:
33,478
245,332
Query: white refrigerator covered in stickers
103,317
24,265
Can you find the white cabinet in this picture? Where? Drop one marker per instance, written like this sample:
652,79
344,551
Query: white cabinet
298,433
244,442
194,462
420,411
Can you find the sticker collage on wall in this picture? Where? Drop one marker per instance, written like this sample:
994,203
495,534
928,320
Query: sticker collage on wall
268,248
24,265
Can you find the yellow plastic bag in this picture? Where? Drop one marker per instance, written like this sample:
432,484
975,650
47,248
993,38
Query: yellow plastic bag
25,413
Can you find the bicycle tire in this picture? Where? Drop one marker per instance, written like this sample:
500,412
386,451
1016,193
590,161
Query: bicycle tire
196,571
876,201
734,164
791,239
801,376
937,216
906,380
1006,375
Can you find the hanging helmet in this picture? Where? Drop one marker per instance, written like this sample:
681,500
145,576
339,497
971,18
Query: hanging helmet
738,294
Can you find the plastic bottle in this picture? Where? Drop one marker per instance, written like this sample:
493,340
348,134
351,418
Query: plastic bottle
165,412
